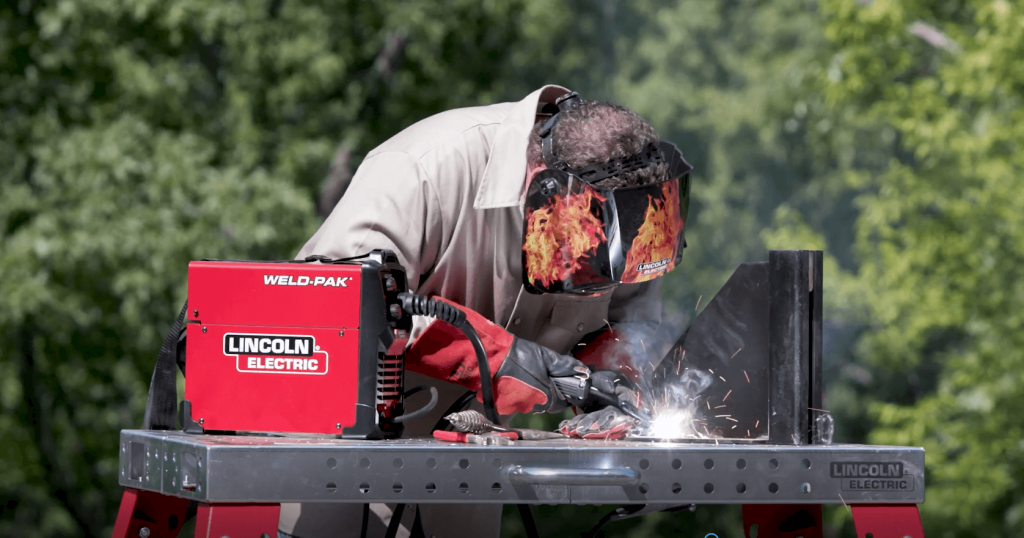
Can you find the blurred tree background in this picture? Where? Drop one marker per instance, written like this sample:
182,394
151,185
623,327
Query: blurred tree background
137,135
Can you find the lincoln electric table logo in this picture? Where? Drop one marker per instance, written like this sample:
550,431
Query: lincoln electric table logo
871,476
275,354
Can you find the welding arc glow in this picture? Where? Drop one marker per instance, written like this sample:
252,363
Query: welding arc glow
672,424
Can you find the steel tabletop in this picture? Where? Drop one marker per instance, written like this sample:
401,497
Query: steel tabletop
254,468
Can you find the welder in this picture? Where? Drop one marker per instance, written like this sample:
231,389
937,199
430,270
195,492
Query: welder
546,221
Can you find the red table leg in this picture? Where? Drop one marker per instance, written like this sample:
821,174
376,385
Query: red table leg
887,520
237,520
160,515
783,520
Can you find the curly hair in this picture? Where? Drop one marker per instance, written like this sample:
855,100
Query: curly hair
596,132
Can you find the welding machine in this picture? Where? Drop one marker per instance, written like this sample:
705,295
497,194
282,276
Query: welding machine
313,346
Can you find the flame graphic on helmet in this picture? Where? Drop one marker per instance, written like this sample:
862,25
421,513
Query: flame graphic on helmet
559,235
653,251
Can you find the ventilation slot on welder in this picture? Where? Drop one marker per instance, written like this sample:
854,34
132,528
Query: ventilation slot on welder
389,381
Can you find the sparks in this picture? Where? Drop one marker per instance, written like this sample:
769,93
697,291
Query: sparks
737,353
732,419
746,376
721,416
678,364
698,303
719,406
727,395
722,378
610,331
756,424
844,504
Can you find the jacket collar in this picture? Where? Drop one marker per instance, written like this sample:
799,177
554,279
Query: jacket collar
504,179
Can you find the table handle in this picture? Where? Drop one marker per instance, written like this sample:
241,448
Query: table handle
561,476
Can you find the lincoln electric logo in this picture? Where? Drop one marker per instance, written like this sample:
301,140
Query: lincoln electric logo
871,476
275,354
652,267
289,280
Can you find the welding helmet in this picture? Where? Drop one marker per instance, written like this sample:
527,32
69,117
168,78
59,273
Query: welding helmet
581,238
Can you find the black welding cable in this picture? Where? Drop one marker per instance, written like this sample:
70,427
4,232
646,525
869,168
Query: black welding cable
618,513
396,521
366,520
425,306
529,525
421,411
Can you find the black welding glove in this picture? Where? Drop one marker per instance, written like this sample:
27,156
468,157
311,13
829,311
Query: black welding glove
600,417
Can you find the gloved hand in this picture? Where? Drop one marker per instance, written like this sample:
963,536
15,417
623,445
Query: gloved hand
607,423
522,370
599,419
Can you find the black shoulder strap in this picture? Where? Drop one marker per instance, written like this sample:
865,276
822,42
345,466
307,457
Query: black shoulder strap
161,407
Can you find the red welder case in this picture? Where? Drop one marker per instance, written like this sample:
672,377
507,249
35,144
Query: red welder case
296,347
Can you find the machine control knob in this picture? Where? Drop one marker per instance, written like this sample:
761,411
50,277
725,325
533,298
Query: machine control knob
395,310
390,284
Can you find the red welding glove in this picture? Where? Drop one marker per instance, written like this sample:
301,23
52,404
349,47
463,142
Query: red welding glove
522,370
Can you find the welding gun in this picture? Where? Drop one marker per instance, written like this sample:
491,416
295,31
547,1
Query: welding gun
579,390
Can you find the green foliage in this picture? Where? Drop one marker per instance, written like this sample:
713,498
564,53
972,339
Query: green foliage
138,135
941,240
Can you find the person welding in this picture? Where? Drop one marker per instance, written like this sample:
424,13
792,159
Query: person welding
548,222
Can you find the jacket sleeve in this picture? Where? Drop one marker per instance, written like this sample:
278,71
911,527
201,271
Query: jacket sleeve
389,204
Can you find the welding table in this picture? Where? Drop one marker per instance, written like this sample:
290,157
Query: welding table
239,481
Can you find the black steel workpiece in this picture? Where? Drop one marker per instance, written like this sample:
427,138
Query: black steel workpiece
794,348
261,469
